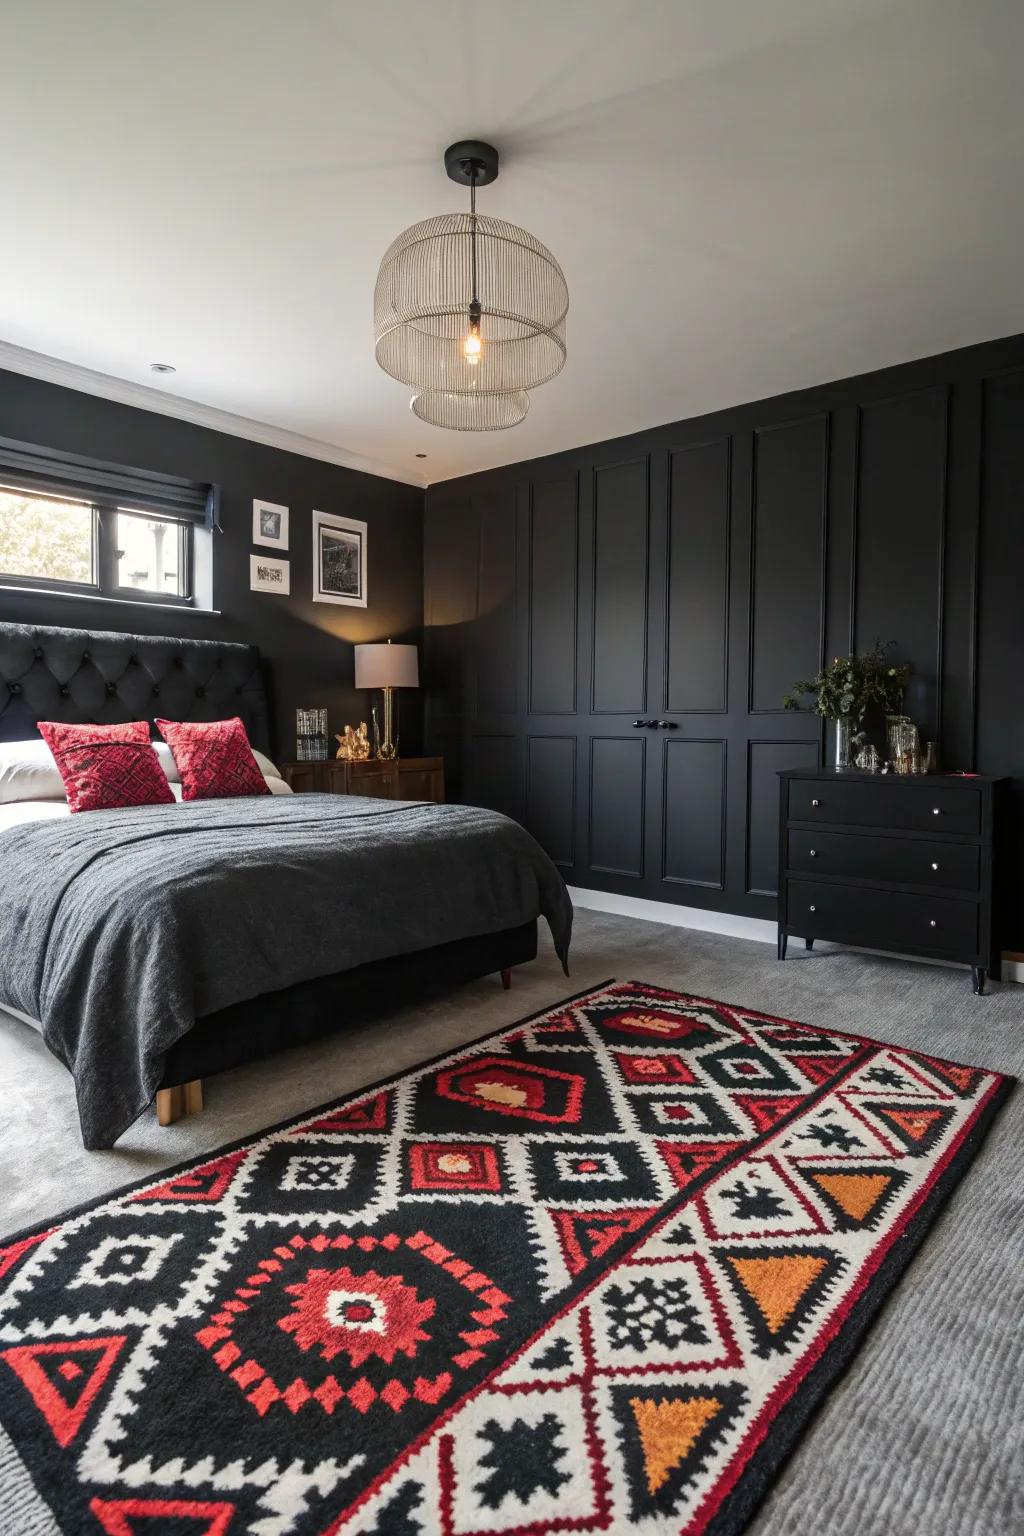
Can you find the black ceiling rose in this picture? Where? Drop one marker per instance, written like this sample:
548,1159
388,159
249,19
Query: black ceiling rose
471,161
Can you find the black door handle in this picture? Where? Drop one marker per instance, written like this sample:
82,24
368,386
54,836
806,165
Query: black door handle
668,725
644,725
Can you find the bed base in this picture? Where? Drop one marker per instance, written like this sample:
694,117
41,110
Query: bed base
296,1015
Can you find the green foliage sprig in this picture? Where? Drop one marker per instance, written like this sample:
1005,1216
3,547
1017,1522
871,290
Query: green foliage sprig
849,685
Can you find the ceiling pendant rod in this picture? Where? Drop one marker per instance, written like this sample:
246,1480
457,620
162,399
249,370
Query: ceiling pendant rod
473,345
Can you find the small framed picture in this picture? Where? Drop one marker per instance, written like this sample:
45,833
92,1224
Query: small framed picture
267,575
269,525
339,560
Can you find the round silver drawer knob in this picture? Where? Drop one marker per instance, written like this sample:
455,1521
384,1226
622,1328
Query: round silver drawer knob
933,923
936,811
815,802
814,853
812,909
935,866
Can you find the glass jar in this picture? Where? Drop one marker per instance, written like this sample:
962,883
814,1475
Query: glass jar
844,732
904,745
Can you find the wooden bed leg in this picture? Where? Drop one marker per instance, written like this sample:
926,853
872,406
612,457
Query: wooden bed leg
506,977
169,1105
183,1099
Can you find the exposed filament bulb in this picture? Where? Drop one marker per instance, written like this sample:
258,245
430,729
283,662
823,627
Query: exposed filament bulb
472,346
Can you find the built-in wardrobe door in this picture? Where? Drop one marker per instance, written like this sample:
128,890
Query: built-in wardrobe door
688,744
494,746
615,561
549,521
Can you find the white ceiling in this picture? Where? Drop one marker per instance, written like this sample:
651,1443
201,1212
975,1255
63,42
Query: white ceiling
746,196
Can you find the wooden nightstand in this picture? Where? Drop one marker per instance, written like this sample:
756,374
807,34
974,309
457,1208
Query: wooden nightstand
407,778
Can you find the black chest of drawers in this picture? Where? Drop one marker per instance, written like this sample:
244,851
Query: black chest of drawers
891,862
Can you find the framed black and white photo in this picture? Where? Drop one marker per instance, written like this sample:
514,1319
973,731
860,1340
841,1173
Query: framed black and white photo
339,560
267,575
270,525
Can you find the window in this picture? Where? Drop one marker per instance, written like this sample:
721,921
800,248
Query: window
151,554
79,544
45,538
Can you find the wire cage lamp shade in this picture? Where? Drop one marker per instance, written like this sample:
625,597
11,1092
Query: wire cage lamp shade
470,413
470,311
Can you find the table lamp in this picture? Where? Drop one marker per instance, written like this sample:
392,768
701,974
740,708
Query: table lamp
387,667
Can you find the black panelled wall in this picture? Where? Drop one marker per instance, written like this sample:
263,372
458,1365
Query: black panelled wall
689,575
307,645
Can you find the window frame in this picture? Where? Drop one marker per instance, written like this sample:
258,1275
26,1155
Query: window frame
104,583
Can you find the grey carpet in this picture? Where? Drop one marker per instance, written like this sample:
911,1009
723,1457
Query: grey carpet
924,1436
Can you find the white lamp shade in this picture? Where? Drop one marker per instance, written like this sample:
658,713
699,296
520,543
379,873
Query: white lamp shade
387,666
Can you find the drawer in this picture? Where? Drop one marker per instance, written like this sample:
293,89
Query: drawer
901,860
303,778
418,784
372,782
880,919
921,805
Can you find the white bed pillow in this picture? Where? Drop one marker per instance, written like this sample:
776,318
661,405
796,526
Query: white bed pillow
167,762
28,772
275,785
268,769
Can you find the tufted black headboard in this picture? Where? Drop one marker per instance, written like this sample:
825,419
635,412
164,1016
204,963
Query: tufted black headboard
85,676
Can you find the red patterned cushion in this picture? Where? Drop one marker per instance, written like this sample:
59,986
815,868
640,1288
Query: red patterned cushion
215,760
107,767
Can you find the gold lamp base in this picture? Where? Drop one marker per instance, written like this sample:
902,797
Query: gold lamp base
387,749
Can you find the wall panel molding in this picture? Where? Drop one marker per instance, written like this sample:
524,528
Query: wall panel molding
618,802
695,819
788,558
898,576
765,759
620,589
698,541
496,772
495,646
553,596
695,570
551,795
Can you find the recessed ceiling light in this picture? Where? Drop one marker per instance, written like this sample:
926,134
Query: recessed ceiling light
163,368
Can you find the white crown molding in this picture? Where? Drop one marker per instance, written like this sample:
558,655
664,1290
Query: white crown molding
37,365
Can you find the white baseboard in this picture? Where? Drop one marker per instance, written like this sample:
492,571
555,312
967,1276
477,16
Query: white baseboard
731,924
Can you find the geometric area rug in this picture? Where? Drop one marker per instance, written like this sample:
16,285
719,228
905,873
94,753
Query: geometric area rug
592,1273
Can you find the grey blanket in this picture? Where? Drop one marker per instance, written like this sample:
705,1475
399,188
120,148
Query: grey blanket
119,929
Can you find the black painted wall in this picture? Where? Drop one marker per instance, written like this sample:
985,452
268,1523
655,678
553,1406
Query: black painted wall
690,574
307,645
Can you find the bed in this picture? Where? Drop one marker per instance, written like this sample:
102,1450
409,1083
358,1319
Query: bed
158,945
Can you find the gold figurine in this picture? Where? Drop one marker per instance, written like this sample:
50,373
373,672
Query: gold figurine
354,746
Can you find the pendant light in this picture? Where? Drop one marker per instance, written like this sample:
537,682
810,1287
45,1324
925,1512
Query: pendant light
470,311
